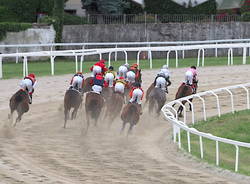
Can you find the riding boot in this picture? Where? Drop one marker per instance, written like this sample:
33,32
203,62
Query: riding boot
30,98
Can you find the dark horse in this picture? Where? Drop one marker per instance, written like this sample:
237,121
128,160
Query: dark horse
130,114
183,91
157,95
94,103
114,107
87,85
72,99
19,102
149,91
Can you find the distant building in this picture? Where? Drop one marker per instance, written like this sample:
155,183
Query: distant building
74,7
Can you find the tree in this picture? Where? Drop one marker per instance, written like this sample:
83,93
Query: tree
58,12
105,6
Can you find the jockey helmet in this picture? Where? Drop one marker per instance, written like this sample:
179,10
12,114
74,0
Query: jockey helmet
135,65
79,73
127,65
121,78
165,67
194,67
111,68
32,75
102,61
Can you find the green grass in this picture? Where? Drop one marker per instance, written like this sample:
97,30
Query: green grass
62,66
232,126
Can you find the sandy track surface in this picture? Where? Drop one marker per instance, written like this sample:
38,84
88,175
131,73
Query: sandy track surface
39,150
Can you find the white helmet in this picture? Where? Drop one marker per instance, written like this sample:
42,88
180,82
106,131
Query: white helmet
127,65
165,67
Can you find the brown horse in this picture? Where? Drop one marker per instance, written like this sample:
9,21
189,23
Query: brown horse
19,102
107,93
94,103
130,114
157,95
114,107
87,85
72,99
183,91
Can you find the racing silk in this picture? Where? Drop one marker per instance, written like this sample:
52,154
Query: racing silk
79,75
194,72
98,80
102,65
32,79
137,72
163,76
122,81
131,92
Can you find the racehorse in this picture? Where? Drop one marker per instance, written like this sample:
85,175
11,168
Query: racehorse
107,93
72,99
94,103
87,85
157,95
183,91
130,114
19,102
114,107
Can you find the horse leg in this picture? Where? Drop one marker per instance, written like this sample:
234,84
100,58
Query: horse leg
123,127
74,113
190,107
19,117
180,109
130,128
66,116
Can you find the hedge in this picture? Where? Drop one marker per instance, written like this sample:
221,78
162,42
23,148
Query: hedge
12,27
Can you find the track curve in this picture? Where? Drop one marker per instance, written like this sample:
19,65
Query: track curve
39,150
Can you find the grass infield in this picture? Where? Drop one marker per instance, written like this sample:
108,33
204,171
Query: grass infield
231,126
67,66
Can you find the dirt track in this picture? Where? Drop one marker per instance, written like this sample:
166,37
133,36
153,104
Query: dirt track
39,150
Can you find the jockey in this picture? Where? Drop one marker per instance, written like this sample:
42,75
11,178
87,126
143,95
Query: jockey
99,67
77,81
161,81
98,83
122,70
136,95
120,85
28,84
191,77
110,76
165,70
137,72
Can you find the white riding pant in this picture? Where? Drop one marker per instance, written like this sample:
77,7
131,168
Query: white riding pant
119,87
26,84
97,89
161,83
109,78
122,71
96,70
77,82
131,76
189,77
136,96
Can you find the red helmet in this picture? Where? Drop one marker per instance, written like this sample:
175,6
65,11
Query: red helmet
102,61
32,75
135,65
122,78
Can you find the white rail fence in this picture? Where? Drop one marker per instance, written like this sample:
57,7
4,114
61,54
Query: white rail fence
171,115
51,47
85,52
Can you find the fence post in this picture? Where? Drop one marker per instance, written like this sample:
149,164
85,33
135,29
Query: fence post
52,62
1,67
237,158
217,153
188,139
155,18
201,146
244,60
124,18
17,51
